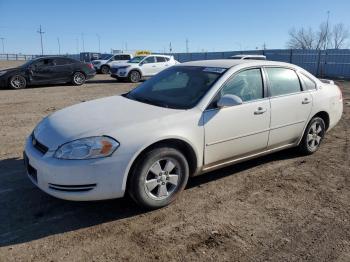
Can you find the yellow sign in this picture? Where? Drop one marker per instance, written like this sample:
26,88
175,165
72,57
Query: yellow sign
142,52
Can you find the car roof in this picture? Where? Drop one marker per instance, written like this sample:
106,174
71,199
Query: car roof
228,63
248,56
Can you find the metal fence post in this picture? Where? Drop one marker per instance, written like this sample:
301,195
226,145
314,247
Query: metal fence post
318,63
291,56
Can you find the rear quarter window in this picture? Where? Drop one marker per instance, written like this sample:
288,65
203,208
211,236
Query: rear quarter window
308,84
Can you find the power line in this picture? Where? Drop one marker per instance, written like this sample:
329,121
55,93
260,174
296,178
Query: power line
3,46
41,40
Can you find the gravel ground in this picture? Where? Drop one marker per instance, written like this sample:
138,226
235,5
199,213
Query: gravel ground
282,207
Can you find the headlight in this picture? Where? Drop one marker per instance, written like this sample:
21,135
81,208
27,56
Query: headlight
87,148
2,73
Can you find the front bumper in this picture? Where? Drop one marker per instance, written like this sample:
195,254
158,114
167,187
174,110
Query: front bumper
78,180
119,72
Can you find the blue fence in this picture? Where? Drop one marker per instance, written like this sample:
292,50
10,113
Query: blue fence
332,63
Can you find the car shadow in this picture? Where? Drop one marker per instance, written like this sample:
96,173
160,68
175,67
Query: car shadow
28,214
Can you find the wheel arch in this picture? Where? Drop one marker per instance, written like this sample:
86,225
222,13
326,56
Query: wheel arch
180,144
325,116
135,69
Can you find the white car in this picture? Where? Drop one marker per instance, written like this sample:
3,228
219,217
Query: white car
189,119
248,57
142,67
103,65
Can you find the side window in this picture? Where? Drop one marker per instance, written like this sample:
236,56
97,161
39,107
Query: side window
282,81
150,59
116,57
62,61
247,85
308,84
161,59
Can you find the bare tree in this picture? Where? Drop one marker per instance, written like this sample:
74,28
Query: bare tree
301,38
324,38
340,34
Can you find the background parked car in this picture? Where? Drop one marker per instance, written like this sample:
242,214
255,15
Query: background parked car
103,65
248,57
47,70
141,67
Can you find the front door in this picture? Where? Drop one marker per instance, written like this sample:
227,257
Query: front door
42,71
240,130
149,66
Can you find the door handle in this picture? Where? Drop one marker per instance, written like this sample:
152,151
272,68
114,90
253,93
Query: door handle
305,101
259,111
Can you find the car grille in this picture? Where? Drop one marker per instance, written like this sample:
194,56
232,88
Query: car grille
72,188
39,146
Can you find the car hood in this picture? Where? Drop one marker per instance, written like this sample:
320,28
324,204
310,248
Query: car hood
10,69
99,117
100,61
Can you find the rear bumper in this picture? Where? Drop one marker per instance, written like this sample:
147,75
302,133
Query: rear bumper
90,75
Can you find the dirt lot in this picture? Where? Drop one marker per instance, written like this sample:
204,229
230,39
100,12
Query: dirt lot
282,207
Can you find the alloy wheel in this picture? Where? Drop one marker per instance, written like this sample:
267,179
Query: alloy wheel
162,178
314,136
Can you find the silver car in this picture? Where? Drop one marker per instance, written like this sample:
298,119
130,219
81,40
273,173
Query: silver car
189,119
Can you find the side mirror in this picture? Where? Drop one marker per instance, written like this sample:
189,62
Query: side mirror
228,101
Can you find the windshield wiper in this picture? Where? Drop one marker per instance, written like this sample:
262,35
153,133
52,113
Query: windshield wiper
147,101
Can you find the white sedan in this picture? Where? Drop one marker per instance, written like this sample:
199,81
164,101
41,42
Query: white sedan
189,119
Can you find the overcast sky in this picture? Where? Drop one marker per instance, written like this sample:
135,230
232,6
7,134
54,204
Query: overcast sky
219,25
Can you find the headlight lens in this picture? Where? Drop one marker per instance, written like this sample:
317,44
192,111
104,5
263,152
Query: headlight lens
2,73
87,148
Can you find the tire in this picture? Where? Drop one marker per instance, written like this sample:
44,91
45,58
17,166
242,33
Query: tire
17,82
313,136
134,76
104,69
78,78
158,178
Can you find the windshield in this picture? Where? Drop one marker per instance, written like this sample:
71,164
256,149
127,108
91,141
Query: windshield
179,87
136,59
105,57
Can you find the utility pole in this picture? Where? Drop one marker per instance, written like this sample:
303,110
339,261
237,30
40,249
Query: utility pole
78,48
3,46
82,38
41,40
170,48
326,33
59,45
187,49
99,43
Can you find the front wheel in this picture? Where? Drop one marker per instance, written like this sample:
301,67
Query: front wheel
78,79
313,136
158,178
134,76
17,82
104,69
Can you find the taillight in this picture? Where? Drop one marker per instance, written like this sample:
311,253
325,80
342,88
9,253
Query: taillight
90,66
340,94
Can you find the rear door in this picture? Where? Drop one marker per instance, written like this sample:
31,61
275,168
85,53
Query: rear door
63,69
162,63
290,106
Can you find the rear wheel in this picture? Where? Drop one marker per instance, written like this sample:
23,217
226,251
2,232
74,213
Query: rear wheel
158,178
17,82
78,79
313,136
105,69
134,76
